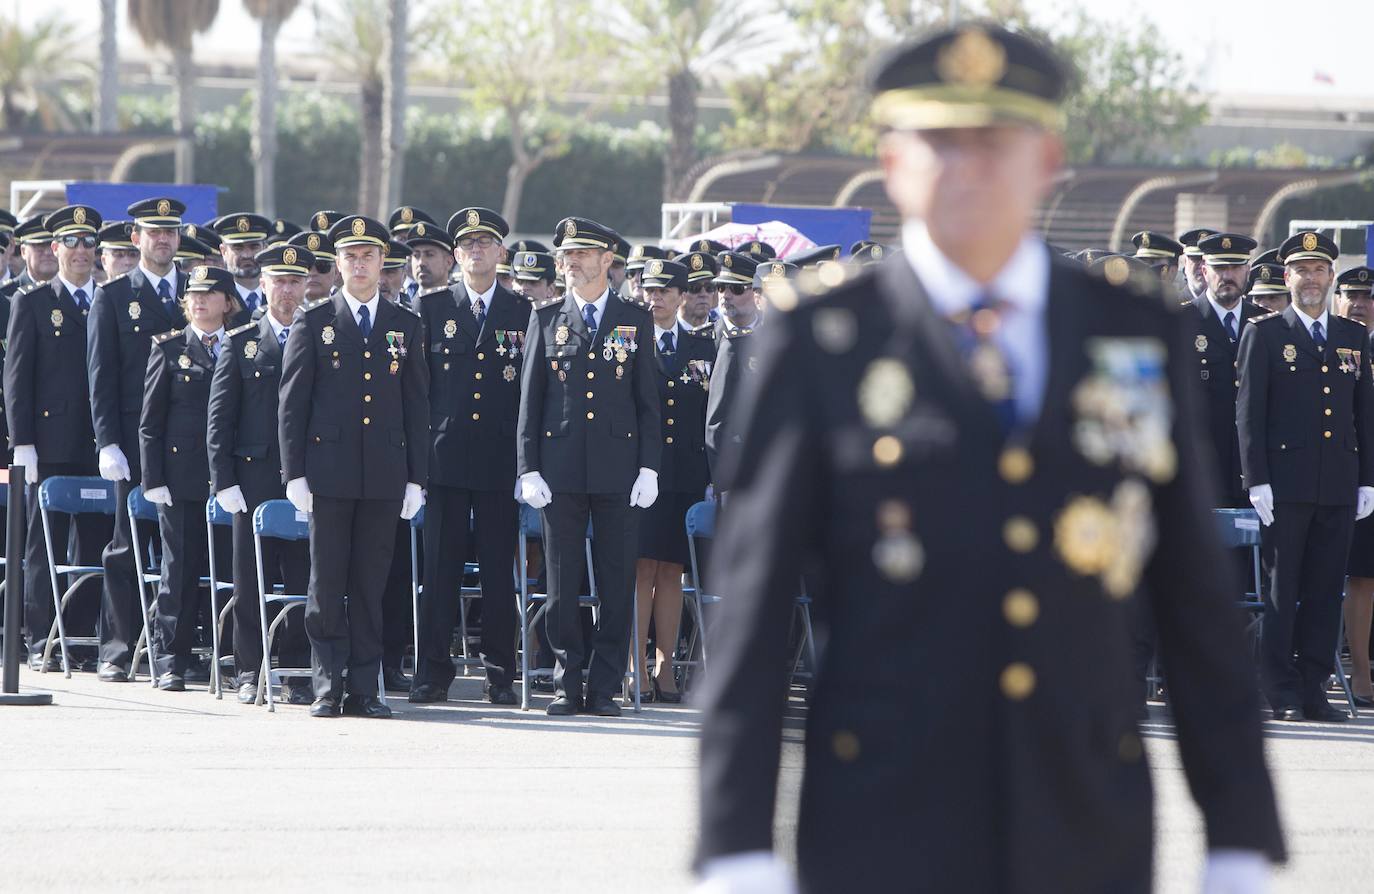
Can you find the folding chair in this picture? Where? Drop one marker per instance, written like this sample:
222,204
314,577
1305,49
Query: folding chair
70,495
216,515
531,528
4,500
148,575
701,525
465,592
280,520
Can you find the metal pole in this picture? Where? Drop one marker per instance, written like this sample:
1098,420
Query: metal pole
16,527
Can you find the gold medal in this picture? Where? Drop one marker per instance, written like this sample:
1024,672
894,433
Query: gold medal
1290,353
327,335
1085,536
621,355
184,361
562,376
250,350
560,337
508,373
1200,343
395,367
56,318
135,310
885,392
620,372
450,328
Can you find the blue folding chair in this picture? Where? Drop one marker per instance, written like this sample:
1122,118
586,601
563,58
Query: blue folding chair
417,526
216,515
532,528
4,500
70,495
148,573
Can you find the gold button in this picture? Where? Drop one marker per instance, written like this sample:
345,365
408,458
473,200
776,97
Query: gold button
174,450
887,450
317,439
476,395
367,377
367,355
670,401
1020,608
1015,465
590,395
548,434
1128,748
845,745
1326,389
670,421
668,440
591,375
366,421
481,356
591,415
1323,367
45,413
590,356
1017,681
445,366
1283,446
476,416
367,398
670,383
1292,369
135,328
1020,534
248,459
477,376
1326,434
1327,411
1204,361
257,375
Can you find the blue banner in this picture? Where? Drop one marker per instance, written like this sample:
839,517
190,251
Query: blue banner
823,226
112,200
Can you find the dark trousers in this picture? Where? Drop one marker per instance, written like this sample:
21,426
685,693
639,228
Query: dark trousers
351,542
496,520
1307,547
398,624
615,545
285,562
79,547
121,614
180,598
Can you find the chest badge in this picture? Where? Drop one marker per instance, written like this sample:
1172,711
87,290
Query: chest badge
1290,353
184,361
1200,343
450,328
327,335
508,373
250,350
135,310
56,318
560,337
885,392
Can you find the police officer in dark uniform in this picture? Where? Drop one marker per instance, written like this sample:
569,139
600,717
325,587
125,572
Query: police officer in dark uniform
176,470
1306,418
50,414
534,273
1266,288
741,314
354,436
634,266
126,313
476,334
942,436
34,246
1194,282
1221,315
588,448
1159,251
246,467
699,298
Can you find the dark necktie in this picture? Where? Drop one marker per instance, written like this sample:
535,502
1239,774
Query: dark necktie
364,321
589,317
665,343
479,312
1230,322
988,364
1318,336
251,299
80,296
281,337
210,341
164,292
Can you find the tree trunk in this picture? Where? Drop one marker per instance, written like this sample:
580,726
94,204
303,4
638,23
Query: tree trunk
683,90
183,117
370,172
394,113
265,116
107,85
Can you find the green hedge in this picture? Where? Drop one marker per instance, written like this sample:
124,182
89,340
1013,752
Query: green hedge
608,174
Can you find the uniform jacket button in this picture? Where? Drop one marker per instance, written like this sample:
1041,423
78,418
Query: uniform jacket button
1017,681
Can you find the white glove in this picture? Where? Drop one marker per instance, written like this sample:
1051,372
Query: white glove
160,496
1236,872
26,455
645,489
534,491
1364,502
412,501
298,492
231,500
753,872
114,466
1262,498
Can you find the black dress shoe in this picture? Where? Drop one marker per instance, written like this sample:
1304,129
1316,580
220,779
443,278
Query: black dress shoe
1287,712
562,707
248,689
297,693
325,707
1323,712
428,694
112,673
365,706
170,682
602,706
502,695
1362,702
668,698
36,661
395,680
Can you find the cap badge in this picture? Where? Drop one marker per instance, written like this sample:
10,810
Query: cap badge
729,262
1226,242
655,268
1265,274
280,226
1117,271
779,270
1364,275
164,207
703,245
312,241
359,227
321,220
474,218
79,215
191,230
407,214
1144,240
419,229
1309,241
528,260
697,262
242,225
288,256
972,60
756,248
877,252
200,274
569,229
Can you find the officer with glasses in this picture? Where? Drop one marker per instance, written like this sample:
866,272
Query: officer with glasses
699,298
741,313
323,276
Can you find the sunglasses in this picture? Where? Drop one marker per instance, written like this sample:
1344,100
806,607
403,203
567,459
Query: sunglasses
83,241
732,289
478,242
697,289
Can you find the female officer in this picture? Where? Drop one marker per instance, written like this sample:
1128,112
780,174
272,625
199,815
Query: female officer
176,472
684,359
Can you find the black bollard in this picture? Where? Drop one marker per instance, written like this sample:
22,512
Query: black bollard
14,595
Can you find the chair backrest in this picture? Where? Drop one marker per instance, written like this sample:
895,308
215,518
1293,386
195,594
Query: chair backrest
215,514
1237,528
279,519
73,495
418,522
140,507
701,519
4,493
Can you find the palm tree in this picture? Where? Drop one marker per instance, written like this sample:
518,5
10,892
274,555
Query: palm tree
29,60
687,42
394,106
107,82
173,24
352,37
271,14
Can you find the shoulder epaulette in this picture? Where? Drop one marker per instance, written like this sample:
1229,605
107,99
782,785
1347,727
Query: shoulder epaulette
547,302
708,332
1263,317
738,333
240,329
317,303
634,302
408,309
168,336
444,290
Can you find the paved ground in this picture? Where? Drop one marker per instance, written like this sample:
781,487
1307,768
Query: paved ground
119,786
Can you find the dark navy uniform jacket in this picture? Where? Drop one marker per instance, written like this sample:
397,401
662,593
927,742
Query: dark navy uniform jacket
171,430
242,428
46,399
1214,355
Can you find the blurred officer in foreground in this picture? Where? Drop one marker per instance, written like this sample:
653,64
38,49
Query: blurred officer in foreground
1305,413
354,436
924,390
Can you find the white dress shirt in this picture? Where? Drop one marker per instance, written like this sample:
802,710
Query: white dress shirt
355,305
486,297
278,327
1309,322
599,304
1221,312
72,287
1022,285
218,334
153,279
244,293
658,336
